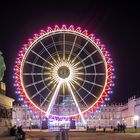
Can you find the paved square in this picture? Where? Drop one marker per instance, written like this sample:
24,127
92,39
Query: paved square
85,136
104,136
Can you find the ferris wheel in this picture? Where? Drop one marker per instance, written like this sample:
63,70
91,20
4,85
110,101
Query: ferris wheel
64,72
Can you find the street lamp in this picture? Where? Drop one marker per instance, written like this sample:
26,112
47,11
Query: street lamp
30,123
123,120
136,118
111,122
99,123
18,121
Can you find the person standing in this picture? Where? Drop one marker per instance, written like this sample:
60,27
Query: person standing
21,133
118,127
123,127
13,131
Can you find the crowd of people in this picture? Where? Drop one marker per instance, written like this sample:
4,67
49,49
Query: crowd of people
121,128
18,132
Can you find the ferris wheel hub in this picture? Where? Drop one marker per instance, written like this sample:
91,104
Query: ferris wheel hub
63,72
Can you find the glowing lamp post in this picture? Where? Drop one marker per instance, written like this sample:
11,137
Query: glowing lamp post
123,120
136,118
111,122
30,123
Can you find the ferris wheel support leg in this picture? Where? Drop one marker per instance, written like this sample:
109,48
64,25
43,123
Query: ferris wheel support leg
81,115
53,99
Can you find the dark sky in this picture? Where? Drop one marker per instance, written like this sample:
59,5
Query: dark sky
116,23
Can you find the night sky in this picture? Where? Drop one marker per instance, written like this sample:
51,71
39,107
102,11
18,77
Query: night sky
117,24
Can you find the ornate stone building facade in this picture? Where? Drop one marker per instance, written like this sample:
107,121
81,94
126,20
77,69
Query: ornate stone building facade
112,114
5,111
108,115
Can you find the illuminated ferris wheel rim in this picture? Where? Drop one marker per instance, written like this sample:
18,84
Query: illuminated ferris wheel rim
54,33
69,30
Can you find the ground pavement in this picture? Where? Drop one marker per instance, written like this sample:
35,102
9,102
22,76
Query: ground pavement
104,136
85,136
36,135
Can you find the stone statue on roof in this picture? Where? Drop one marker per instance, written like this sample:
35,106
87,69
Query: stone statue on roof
2,67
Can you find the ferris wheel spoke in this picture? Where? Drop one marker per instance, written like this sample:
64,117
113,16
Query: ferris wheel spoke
41,57
94,64
64,46
55,48
47,51
37,65
34,83
26,86
79,94
85,89
53,99
80,51
55,80
42,96
87,66
90,73
94,83
72,47
34,73
89,56
85,97
81,115
85,58
38,92
51,82
89,82
45,99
